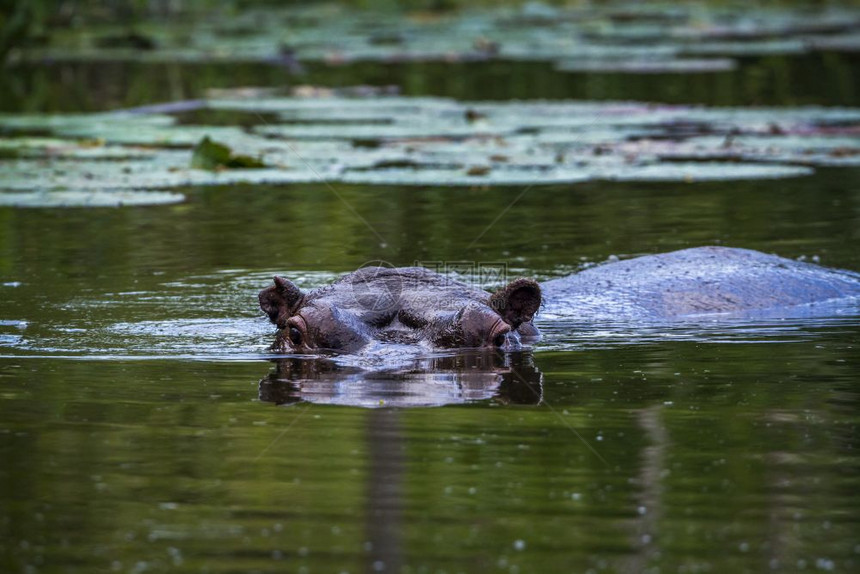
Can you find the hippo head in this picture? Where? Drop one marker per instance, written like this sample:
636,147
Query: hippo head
408,305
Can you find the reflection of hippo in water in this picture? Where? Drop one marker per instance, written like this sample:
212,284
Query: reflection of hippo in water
413,305
509,378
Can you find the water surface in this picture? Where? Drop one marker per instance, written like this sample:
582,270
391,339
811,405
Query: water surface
144,426
757,81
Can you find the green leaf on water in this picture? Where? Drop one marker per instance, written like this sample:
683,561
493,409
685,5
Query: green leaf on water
212,156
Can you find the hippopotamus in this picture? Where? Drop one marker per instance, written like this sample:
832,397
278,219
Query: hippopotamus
407,305
701,282
412,305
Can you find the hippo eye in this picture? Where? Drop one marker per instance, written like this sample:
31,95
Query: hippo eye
295,336
499,340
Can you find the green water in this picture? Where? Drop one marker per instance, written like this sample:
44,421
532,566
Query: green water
773,80
135,434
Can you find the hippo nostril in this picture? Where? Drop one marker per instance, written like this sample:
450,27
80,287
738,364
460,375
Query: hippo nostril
295,336
499,333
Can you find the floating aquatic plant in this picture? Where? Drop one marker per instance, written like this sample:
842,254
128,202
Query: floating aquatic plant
380,140
598,37
211,155
98,198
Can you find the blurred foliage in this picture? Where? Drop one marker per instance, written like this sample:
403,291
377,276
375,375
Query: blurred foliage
26,21
15,20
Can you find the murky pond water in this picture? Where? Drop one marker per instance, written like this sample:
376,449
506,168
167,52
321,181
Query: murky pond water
771,80
144,426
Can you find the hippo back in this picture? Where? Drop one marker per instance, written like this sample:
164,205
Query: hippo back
701,281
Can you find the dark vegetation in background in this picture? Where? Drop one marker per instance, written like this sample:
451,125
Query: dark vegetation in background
30,22
47,85
24,22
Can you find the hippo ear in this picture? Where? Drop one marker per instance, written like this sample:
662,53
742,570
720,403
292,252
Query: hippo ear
286,289
518,302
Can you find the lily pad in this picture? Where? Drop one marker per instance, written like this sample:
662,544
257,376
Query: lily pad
431,141
120,132
402,131
60,148
663,66
746,49
468,177
332,102
700,171
840,43
787,142
168,170
70,122
98,198
573,35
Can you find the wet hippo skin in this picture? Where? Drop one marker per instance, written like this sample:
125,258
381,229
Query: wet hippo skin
700,281
412,305
408,305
